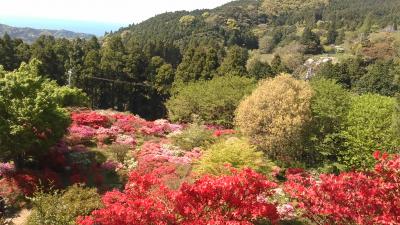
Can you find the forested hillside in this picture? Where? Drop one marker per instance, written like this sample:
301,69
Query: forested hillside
247,38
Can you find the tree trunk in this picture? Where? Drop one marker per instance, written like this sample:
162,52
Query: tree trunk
19,162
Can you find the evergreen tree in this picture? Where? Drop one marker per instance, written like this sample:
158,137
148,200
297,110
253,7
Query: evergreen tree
311,42
259,70
332,34
277,65
341,37
235,62
8,55
198,63
367,24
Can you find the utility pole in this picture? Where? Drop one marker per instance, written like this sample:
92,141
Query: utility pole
69,77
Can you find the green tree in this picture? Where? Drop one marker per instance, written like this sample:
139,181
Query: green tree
368,128
235,62
278,66
380,79
213,101
259,70
164,79
8,56
43,49
30,118
330,105
341,37
199,63
332,34
367,24
311,42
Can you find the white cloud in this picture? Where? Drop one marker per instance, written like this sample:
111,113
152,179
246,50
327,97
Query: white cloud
110,11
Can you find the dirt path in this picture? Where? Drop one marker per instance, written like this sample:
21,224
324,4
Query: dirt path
22,217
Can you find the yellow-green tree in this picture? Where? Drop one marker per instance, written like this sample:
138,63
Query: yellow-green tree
275,115
276,7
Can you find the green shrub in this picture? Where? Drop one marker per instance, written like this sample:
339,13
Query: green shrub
368,128
213,101
119,152
68,97
330,105
234,151
63,207
196,135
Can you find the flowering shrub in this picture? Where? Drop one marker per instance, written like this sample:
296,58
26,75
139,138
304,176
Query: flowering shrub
6,169
352,197
144,201
232,199
92,119
159,156
210,200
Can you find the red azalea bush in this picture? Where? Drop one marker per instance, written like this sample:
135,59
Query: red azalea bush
351,197
233,199
222,132
90,118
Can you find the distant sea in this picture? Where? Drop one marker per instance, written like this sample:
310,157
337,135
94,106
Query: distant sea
96,28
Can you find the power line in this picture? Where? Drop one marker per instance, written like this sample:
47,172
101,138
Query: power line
119,81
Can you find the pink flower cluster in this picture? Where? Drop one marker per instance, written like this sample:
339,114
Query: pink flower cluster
115,128
111,165
154,155
6,169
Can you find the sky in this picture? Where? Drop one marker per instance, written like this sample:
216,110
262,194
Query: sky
110,13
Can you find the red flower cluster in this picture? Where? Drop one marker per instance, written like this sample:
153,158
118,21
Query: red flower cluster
352,197
91,118
219,132
232,199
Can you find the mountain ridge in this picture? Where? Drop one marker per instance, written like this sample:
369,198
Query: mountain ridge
29,35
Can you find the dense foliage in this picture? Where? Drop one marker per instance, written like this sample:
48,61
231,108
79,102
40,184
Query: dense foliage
213,101
30,117
368,128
